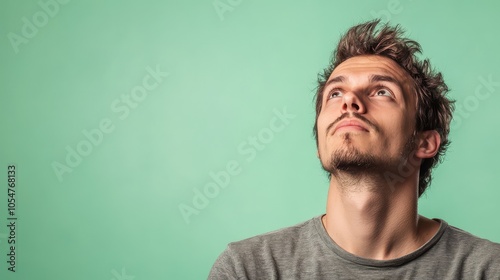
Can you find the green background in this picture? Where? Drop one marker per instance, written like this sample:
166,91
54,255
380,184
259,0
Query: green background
117,213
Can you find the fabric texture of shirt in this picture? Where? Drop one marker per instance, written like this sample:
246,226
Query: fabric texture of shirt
306,251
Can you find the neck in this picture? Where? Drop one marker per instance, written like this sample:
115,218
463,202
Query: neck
372,221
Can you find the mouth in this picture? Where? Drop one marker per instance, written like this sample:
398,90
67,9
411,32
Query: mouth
350,125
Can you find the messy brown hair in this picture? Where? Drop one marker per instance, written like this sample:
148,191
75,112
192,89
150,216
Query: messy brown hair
434,109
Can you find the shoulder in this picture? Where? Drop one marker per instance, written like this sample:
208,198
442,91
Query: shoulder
456,234
262,255
473,253
278,238
468,242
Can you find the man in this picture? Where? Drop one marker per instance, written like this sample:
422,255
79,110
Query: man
382,124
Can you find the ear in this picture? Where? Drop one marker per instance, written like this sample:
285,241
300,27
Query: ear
428,144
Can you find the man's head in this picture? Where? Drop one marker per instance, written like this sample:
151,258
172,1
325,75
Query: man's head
376,103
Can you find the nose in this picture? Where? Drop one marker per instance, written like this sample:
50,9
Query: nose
353,104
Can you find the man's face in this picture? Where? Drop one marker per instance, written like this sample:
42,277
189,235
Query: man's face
368,116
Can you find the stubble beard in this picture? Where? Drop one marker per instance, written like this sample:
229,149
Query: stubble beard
349,165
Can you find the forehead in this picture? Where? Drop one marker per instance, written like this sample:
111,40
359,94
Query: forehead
360,68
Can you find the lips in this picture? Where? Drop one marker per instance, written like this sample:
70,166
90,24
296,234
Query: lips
350,124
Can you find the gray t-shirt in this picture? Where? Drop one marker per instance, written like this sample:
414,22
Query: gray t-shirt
306,251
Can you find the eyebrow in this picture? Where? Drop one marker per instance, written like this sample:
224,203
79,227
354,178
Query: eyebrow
385,78
338,79
373,79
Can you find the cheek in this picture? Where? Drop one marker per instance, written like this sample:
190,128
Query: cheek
322,123
324,120
404,124
396,130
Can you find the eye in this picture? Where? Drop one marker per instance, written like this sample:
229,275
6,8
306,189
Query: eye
383,92
334,94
